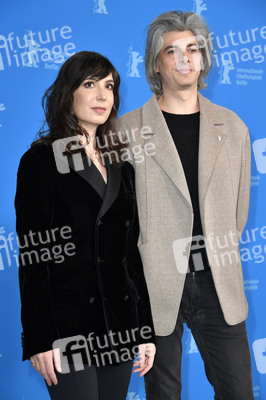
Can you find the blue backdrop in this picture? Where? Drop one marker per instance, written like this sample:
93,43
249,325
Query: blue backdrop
35,38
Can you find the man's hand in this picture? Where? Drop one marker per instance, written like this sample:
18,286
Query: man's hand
146,358
45,362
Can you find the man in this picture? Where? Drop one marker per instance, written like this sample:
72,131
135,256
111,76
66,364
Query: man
193,195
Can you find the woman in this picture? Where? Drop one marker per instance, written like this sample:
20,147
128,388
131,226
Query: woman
85,306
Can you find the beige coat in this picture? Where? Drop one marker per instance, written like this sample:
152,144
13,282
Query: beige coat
165,209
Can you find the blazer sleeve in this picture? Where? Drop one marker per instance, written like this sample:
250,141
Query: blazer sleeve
135,269
34,215
244,186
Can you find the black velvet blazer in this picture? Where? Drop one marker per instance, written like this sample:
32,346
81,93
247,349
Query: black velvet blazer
80,269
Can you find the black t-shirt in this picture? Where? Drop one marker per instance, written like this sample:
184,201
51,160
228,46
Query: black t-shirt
184,129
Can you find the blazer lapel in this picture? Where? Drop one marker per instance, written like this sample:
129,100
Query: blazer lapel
81,166
164,152
211,141
112,188
86,170
90,174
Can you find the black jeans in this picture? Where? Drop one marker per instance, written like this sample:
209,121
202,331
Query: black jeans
93,383
223,348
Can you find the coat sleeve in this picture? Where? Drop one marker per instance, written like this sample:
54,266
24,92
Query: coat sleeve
34,215
244,186
135,269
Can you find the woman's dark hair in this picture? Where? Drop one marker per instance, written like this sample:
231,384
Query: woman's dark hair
58,100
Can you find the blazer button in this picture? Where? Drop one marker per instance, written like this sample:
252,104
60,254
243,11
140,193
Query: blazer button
99,260
126,297
92,300
127,223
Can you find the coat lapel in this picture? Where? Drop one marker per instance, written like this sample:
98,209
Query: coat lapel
86,170
164,152
112,188
91,175
211,141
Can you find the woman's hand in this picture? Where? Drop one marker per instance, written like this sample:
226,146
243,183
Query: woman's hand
45,362
146,358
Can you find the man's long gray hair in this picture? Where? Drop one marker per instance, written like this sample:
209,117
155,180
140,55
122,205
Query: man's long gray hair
176,21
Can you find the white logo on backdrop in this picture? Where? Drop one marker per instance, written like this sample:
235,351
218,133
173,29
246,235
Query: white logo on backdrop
251,284
133,396
235,48
2,108
6,249
259,349
191,346
257,392
259,150
199,6
134,60
226,67
254,180
100,7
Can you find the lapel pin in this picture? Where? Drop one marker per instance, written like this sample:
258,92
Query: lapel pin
220,138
